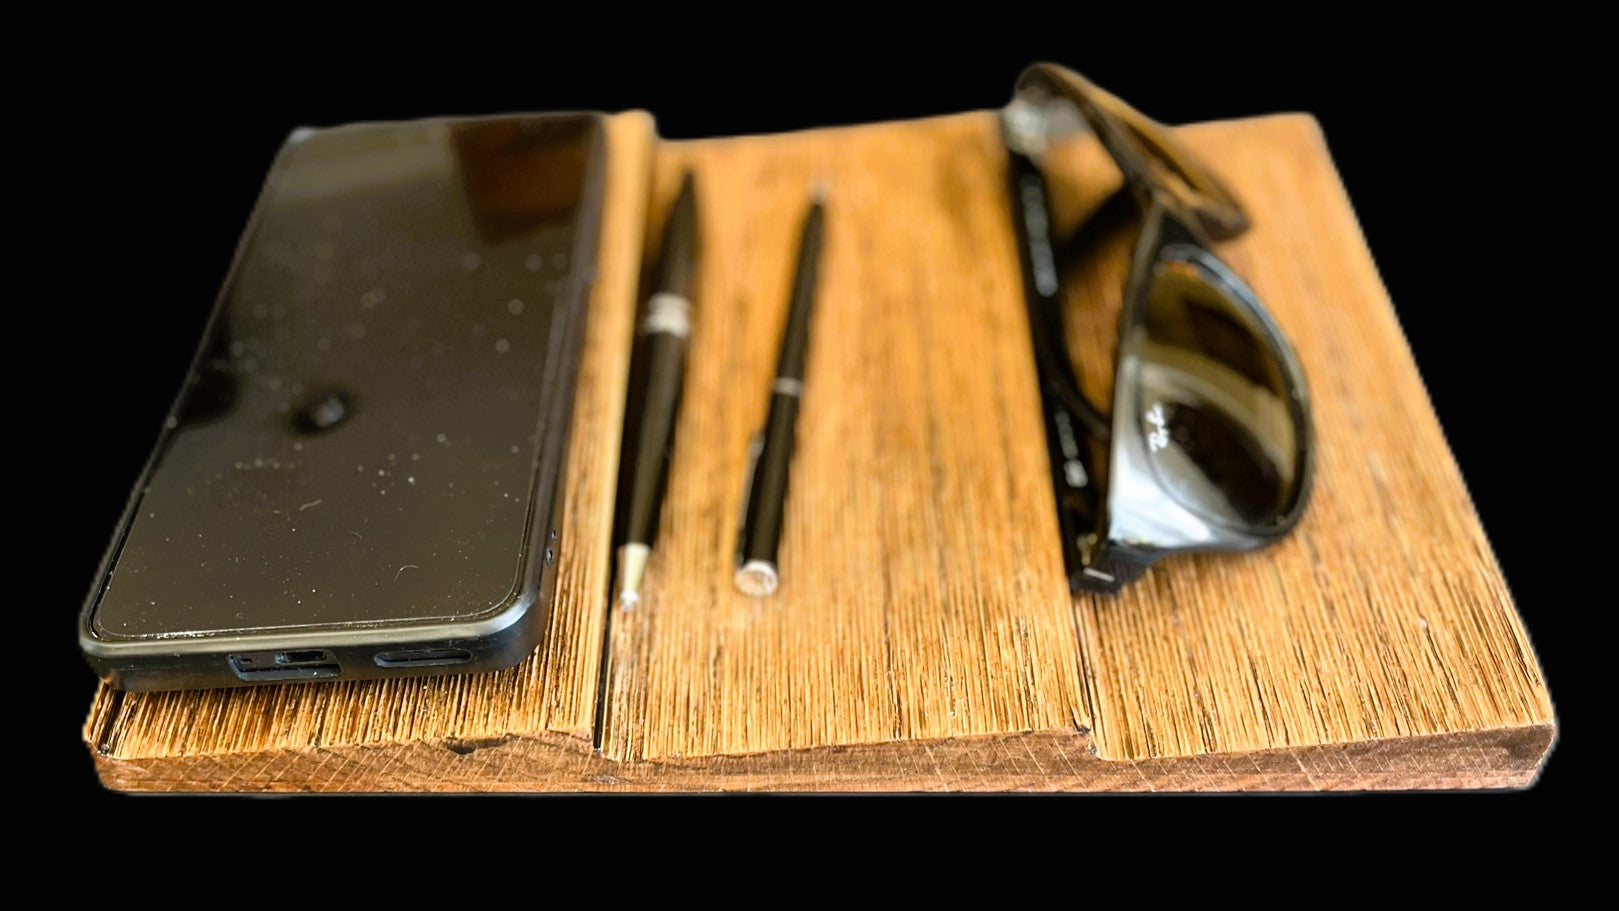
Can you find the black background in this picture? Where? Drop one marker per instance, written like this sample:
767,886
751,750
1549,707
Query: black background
170,145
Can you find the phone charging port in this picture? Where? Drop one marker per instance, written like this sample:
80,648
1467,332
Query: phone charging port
424,657
299,664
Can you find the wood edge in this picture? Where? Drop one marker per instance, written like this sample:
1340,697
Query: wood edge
97,730
632,151
1302,117
1050,761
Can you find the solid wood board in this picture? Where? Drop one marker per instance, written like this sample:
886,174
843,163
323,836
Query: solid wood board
923,638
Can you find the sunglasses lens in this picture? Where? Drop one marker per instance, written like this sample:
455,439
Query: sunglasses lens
1221,402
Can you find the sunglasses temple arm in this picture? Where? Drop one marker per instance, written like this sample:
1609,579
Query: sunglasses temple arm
1074,436
1042,287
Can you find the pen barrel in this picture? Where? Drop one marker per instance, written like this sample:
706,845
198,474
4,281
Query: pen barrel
647,449
767,491
795,335
677,260
767,497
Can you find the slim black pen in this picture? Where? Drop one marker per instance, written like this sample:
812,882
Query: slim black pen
756,571
655,384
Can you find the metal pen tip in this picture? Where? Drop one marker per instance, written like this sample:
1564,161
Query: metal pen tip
631,567
757,578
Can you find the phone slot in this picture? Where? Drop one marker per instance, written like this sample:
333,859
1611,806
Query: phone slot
423,657
300,664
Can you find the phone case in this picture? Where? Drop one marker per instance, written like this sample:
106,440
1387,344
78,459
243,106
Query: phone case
359,477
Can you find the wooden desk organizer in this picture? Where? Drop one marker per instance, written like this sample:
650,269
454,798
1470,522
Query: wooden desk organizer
924,638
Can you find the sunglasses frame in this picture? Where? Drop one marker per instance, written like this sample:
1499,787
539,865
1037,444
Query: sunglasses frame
1117,523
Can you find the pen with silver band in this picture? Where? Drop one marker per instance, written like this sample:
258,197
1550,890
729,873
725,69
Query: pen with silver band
655,385
756,569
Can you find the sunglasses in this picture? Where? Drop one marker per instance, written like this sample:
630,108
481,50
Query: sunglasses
1209,447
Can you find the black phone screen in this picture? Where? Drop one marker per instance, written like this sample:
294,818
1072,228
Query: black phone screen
372,424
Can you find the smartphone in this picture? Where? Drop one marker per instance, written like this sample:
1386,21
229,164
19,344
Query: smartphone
359,477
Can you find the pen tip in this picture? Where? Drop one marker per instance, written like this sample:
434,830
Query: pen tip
631,568
818,191
757,578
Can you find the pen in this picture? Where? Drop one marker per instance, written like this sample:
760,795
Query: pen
756,572
650,418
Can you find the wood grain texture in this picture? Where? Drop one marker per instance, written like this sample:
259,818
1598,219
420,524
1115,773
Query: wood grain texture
923,638
1385,614
922,596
